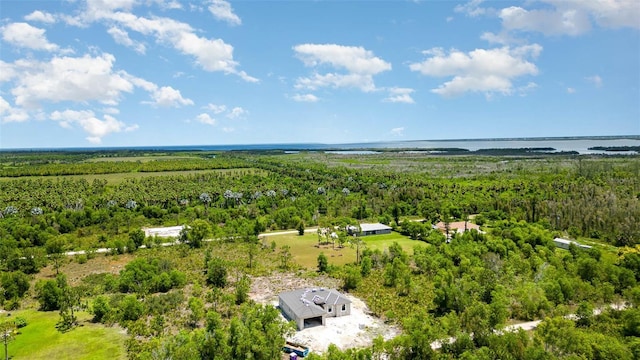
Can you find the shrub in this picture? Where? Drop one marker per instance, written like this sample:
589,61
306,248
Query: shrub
130,308
217,273
20,322
12,304
100,309
81,259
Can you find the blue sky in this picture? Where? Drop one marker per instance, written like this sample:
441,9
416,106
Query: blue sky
167,72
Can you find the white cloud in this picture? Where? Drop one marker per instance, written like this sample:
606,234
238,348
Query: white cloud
228,129
305,98
111,110
472,8
41,16
399,131
7,71
568,21
606,13
222,10
502,38
205,119
573,18
27,36
9,113
222,110
122,37
481,70
216,109
237,112
94,127
171,4
571,90
167,96
78,79
595,80
400,95
364,82
360,64
354,59
210,54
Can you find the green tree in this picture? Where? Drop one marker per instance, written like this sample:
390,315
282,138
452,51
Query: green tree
252,251
55,250
196,311
13,285
101,308
130,309
352,278
71,297
196,233
7,332
137,237
49,294
217,272
365,266
285,256
242,290
323,263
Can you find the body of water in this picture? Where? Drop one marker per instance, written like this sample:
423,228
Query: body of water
578,144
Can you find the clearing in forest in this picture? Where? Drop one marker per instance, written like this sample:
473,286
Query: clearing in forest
358,329
41,340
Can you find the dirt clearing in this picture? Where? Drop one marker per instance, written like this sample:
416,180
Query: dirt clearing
352,331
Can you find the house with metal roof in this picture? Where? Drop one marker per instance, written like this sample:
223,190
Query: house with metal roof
311,306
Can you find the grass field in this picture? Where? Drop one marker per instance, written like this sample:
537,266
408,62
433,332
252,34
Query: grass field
117,178
41,340
305,249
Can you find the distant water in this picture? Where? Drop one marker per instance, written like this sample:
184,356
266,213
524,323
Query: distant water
578,144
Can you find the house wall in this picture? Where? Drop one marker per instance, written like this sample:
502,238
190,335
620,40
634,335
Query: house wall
375,232
345,312
289,314
331,311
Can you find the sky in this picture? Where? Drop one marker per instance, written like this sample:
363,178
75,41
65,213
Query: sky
103,73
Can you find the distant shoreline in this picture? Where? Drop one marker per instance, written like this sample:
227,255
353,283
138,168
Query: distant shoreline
634,140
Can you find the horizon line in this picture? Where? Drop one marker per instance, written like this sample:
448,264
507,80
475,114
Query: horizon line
319,144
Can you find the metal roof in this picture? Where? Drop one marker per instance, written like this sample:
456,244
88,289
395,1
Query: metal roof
374,227
569,242
306,303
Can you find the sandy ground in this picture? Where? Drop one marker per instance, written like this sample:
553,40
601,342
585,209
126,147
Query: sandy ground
356,330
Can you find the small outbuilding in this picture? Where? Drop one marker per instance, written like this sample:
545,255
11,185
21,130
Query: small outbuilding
163,232
565,243
311,306
370,229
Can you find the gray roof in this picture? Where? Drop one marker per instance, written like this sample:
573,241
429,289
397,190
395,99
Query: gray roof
374,227
569,242
306,303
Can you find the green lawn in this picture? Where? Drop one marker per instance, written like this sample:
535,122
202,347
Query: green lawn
305,249
41,340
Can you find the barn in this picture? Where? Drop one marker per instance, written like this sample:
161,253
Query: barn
311,306
372,229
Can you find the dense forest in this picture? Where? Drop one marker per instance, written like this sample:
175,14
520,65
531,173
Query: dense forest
191,301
